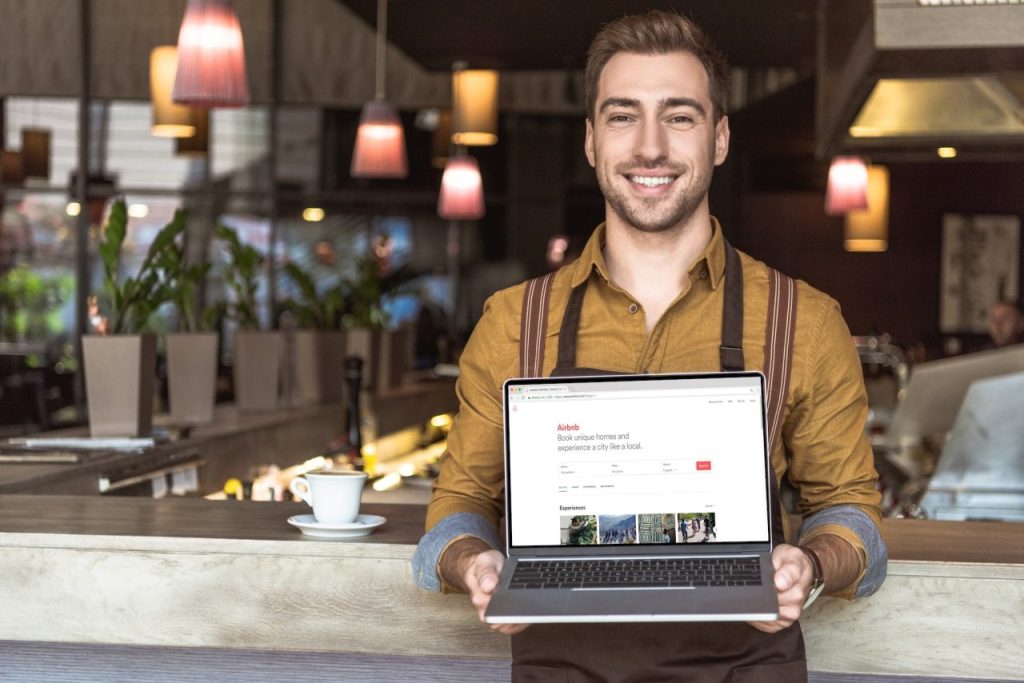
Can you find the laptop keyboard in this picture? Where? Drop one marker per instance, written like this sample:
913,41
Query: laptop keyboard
675,572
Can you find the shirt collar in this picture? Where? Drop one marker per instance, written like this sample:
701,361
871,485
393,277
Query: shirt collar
592,257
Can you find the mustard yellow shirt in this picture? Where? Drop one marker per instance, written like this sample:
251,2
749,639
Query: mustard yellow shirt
823,449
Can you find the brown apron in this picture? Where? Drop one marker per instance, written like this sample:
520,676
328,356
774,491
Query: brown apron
647,652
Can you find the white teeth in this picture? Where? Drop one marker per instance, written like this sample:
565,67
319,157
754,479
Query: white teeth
650,181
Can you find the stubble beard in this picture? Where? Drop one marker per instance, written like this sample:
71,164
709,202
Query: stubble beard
642,213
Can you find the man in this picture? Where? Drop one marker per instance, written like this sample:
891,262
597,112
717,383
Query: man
656,128
1005,324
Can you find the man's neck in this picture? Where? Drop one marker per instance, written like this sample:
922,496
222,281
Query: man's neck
654,267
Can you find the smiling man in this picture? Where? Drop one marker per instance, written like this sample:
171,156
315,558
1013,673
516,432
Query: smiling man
663,293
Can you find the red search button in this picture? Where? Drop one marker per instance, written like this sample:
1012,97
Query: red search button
703,465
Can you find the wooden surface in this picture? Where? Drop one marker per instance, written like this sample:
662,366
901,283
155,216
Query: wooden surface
233,575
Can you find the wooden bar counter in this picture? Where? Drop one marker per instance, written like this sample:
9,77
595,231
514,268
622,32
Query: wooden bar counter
96,588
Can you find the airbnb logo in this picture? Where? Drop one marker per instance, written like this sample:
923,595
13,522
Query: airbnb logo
568,428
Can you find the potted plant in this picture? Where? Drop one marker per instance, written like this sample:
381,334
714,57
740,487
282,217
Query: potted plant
120,361
387,354
257,353
319,342
192,351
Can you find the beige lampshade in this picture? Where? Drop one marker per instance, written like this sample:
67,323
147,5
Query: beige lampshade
211,69
380,143
35,153
462,190
847,186
199,144
170,120
868,229
475,100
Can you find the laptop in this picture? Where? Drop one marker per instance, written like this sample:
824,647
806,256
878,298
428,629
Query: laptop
636,498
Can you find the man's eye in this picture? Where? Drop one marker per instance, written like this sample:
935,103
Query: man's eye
682,119
618,118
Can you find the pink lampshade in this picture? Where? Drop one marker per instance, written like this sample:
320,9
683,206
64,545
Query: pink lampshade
211,57
462,189
847,186
380,143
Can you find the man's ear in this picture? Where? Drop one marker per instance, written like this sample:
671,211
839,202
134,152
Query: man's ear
721,140
588,143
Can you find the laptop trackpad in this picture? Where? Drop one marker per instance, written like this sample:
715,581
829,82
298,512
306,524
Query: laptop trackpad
637,601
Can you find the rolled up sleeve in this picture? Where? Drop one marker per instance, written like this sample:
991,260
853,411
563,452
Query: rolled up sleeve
831,464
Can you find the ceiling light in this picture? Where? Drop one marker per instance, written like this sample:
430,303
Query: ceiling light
211,57
847,186
313,214
868,230
475,93
138,210
947,152
462,191
380,141
73,209
170,120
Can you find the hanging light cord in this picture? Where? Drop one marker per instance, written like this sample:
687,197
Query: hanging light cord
382,43
458,67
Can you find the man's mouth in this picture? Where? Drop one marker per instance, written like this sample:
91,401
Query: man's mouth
651,181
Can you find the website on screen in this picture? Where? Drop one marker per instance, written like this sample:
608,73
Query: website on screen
644,462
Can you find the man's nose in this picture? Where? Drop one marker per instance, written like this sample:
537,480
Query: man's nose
652,142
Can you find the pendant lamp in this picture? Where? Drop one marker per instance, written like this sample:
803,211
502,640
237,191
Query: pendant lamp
380,141
475,92
868,229
35,153
847,186
462,189
170,120
211,57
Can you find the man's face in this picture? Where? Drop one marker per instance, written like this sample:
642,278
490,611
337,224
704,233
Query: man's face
653,140
1004,324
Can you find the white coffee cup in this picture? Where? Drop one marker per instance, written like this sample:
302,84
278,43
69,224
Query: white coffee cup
334,495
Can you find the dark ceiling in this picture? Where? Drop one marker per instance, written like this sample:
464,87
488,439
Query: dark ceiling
552,34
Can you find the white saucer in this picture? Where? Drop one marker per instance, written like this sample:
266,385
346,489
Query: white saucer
362,526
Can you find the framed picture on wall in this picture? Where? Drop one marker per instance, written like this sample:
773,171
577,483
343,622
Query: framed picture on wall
980,264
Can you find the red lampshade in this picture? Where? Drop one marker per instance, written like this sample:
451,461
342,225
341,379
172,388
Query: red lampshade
462,189
380,143
847,186
211,57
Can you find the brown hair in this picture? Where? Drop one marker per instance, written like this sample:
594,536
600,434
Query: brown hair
656,33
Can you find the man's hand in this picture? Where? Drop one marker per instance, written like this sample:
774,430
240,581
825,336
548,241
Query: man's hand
794,574
473,566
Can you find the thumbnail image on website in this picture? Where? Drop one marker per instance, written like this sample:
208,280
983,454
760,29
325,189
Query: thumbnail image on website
668,527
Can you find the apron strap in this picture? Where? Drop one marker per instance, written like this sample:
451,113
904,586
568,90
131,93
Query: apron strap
730,353
778,348
533,325
567,333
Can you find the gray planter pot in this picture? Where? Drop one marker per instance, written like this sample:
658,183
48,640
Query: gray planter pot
120,375
319,375
387,355
257,370
192,376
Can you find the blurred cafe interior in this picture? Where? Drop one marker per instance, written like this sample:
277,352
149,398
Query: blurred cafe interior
242,241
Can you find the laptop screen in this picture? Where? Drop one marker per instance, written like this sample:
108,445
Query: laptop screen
631,459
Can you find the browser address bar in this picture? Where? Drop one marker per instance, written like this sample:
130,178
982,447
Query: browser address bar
692,393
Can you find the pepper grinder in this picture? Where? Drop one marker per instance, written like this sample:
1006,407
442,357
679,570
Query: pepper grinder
353,366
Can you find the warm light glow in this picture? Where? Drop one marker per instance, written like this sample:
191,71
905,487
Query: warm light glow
847,186
947,152
475,99
73,209
868,230
211,57
444,420
387,482
407,469
138,210
380,143
170,120
313,214
462,190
